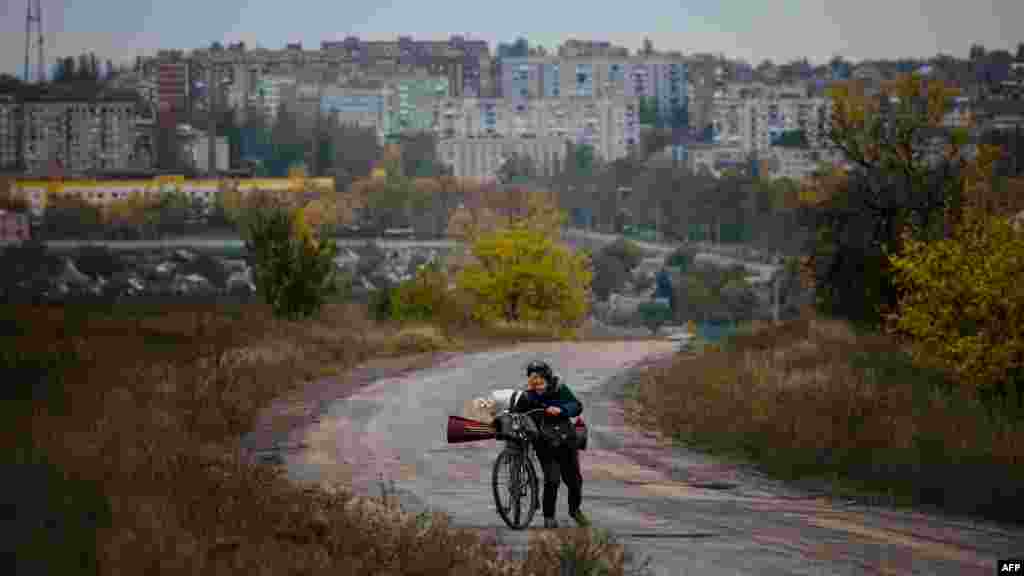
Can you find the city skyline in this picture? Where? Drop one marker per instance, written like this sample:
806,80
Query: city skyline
780,30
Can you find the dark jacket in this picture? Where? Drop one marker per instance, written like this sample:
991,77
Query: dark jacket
556,394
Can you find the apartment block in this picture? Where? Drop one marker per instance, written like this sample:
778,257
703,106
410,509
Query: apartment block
661,77
464,62
715,158
78,133
754,122
273,91
609,125
591,48
410,104
797,163
173,86
10,117
483,157
358,106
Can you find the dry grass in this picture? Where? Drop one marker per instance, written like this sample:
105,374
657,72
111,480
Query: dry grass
123,430
812,398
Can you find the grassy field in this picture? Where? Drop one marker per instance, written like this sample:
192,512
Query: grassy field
121,449
813,399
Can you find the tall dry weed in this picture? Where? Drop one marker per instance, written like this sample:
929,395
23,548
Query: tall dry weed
148,412
812,396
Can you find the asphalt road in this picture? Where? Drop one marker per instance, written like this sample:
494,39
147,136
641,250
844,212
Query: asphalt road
685,511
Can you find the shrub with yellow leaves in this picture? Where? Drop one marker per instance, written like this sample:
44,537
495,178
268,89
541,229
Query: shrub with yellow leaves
523,274
962,301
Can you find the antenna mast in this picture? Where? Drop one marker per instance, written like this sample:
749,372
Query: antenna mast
42,61
34,15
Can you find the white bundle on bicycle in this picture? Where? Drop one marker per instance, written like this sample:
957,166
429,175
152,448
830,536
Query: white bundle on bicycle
485,408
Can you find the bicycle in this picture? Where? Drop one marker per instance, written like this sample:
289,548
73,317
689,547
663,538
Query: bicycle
518,432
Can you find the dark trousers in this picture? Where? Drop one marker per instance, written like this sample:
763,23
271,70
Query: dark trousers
561,464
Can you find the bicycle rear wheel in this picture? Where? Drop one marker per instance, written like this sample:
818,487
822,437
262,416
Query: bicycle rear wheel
515,486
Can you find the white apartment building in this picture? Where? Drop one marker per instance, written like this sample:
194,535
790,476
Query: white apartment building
79,134
198,150
798,163
752,122
273,91
363,107
10,113
714,157
483,157
605,124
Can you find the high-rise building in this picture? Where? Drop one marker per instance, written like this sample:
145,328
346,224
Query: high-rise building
360,106
604,123
173,85
10,116
78,132
410,103
273,91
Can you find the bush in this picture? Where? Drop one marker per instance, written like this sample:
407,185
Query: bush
294,272
523,275
421,298
813,398
961,303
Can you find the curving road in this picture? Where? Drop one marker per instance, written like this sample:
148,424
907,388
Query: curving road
688,513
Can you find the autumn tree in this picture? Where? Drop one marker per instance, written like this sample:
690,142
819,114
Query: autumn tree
897,180
522,273
962,303
390,197
294,266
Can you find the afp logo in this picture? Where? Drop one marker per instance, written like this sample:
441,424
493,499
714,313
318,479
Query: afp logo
1015,566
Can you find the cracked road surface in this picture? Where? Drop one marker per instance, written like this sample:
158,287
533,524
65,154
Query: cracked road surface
686,512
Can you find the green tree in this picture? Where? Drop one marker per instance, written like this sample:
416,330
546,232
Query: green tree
522,274
421,298
294,272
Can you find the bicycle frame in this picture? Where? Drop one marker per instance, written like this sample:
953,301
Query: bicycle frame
518,443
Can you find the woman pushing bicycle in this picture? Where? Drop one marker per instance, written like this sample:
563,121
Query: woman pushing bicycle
556,446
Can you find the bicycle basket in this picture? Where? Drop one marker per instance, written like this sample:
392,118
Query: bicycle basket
508,426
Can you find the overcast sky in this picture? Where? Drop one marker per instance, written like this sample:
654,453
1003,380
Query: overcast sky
752,29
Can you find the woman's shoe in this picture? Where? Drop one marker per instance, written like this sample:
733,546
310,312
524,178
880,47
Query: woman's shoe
580,518
550,523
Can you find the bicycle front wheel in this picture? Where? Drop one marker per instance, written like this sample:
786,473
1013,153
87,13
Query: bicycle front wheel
515,486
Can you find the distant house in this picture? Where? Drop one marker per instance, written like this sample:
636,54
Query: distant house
13,226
